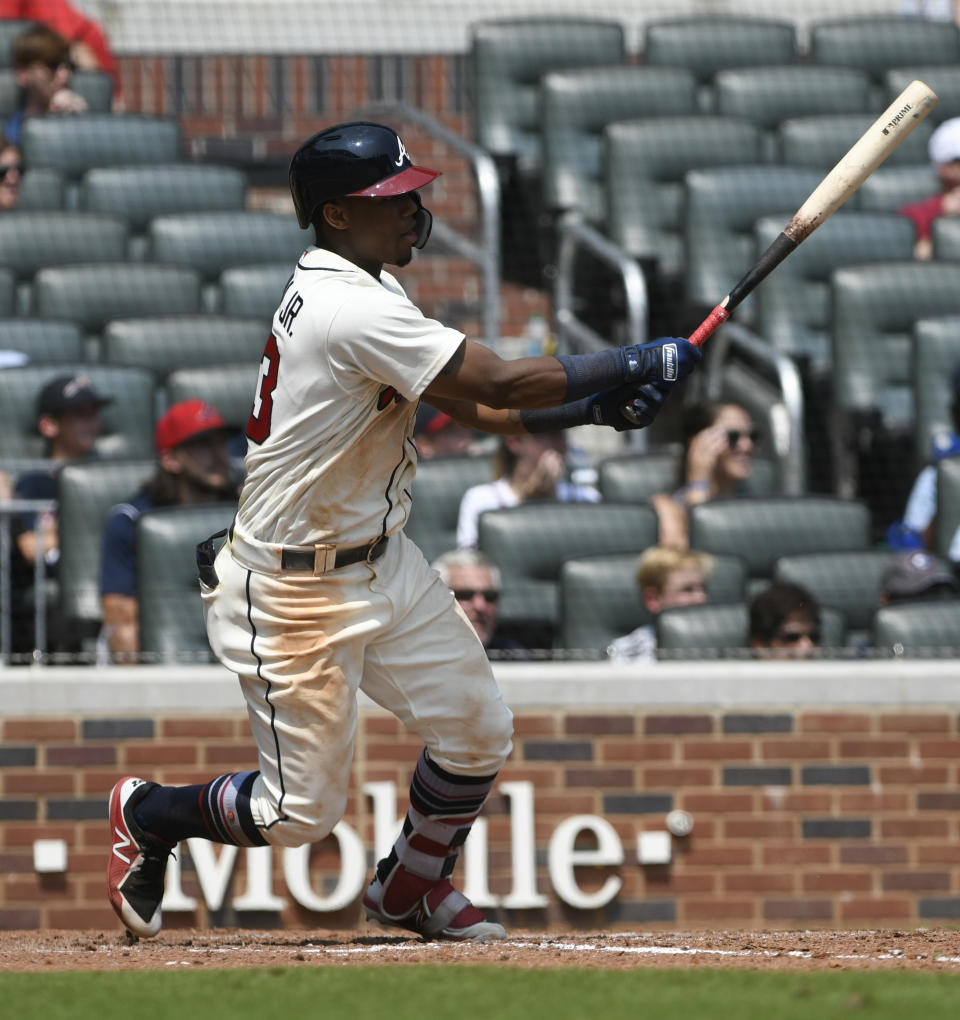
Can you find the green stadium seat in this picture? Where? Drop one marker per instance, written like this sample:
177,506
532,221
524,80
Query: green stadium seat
213,241
510,56
876,44
703,632
93,295
438,487
947,520
9,92
530,542
254,291
168,593
577,105
936,345
8,291
127,423
793,305
722,206
230,388
140,193
760,530
85,493
890,187
919,629
946,238
822,141
599,599
42,339
96,87
76,143
169,343
944,79
41,189
646,161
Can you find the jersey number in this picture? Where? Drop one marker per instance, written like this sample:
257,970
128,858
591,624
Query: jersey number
258,427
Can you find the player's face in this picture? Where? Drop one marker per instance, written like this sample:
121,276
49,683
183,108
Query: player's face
379,231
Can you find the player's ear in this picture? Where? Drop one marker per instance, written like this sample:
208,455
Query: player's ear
335,215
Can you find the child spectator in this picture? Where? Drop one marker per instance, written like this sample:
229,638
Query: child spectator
944,150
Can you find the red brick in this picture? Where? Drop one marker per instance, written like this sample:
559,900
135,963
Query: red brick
909,775
668,881
915,723
794,749
872,909
658,724
752,828
759,882
31,729
175,728
722,803
914,827
39,782
19,918
17,834
916,881
667,777
938,801
14,863
838,881
155,754
873,749
82,917
716,855
406,751
798,910
866,802
835,722
796,853
599,725
939,749
536,725
798,800
938,853
717,750
715,910
636,750
99,754
600,778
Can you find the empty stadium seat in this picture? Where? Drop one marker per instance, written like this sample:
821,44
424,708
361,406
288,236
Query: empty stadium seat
168,593
577,105
944,79
875,44
936,345
946,238
793,306
823,140
255,290
530,542
140,193
42,339
646,161
180,341
722,206
76,143
85,493
890,187
230,388
127,422
706,45
761,530
438,487
509,58
703,632
919,629
92,295
41,189
8,287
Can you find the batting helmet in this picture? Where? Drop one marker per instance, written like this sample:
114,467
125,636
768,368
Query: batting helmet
356,159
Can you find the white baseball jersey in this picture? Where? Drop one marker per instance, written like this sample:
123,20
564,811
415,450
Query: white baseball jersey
331,456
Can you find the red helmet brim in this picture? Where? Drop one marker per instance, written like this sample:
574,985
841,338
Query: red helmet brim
411,179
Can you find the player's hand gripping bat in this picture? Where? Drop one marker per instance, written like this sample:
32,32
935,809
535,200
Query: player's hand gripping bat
867,153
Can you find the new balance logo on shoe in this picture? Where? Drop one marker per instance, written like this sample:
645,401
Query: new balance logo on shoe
122,843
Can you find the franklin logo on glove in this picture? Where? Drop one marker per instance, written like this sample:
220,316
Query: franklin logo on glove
670,371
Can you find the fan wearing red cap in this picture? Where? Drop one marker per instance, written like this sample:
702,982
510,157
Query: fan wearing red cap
316,592
193,466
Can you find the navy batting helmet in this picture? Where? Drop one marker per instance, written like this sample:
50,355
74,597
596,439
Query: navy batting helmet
356,159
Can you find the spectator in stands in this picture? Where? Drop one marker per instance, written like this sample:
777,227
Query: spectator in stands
475,583
916,576
915,529
944,150
89,49
11,168
784,623
667,578
528,467
437,434
193,466
68,417
718,444
43,68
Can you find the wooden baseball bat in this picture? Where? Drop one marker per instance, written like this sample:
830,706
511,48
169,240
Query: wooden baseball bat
866,154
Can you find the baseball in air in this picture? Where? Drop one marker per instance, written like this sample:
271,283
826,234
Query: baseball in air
680,823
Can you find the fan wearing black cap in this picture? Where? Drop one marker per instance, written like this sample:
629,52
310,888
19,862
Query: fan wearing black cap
68,419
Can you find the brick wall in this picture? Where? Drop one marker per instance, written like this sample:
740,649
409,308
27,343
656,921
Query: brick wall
810,818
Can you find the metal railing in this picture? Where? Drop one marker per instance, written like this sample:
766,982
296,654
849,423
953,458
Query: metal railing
485,253
9,509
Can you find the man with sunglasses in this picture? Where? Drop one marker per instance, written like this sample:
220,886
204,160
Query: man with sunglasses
784,623
43,70
317,594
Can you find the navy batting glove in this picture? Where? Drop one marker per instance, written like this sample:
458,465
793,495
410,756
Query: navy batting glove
629,407
666,360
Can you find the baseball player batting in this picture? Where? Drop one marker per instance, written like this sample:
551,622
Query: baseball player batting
316,592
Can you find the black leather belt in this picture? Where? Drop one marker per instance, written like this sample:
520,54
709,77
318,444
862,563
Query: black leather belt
305,559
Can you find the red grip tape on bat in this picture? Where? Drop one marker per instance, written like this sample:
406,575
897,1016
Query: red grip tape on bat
716,318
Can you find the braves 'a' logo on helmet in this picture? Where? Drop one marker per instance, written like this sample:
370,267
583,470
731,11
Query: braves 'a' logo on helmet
403,153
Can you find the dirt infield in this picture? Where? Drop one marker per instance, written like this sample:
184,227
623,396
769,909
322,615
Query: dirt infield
920,949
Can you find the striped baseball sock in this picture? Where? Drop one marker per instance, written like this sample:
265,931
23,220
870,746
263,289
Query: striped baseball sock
218,811
443,807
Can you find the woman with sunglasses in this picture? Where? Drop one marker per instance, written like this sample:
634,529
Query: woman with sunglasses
717,460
